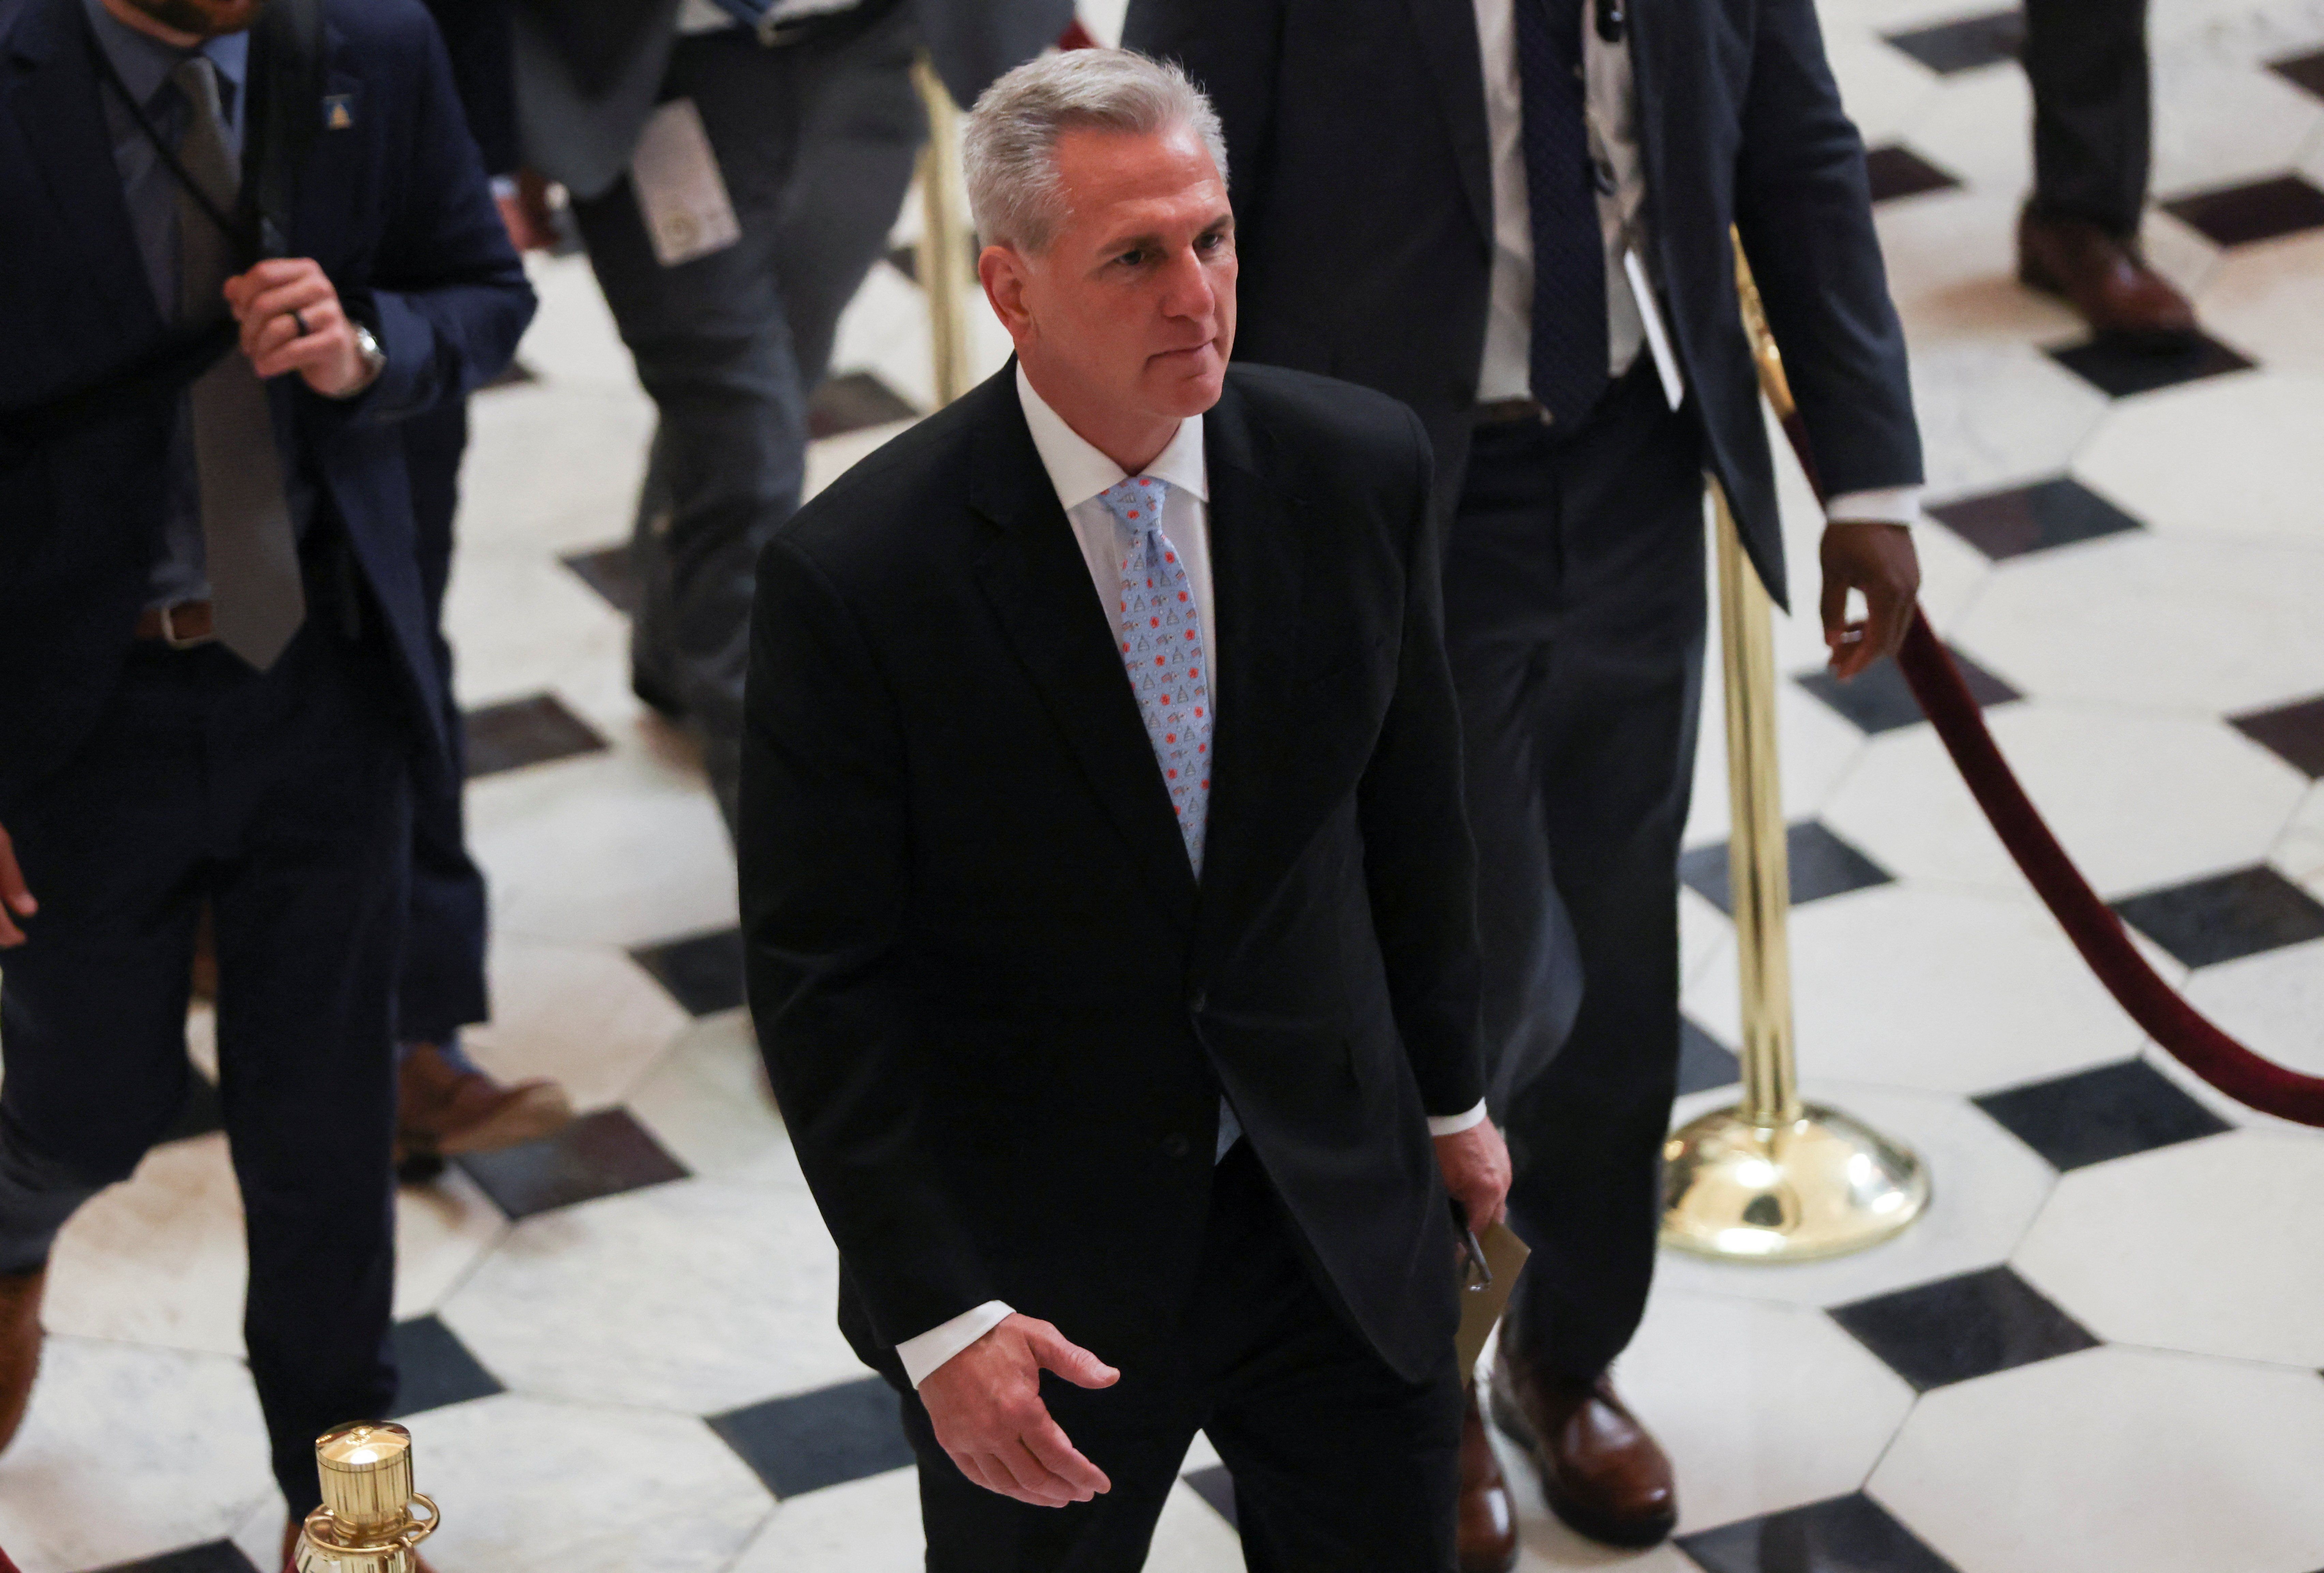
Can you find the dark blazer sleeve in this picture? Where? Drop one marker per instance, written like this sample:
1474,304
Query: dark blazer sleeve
447,295
1419,862
825,874
1805,209
1232,50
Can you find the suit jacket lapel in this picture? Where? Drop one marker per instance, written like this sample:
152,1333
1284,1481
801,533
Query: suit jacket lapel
1039,586
1448,39
58,113
1255,583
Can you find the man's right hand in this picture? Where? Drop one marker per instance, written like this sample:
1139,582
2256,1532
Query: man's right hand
16,897
985,1402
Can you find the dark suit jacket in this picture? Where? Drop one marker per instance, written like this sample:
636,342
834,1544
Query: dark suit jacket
483,69
1363,193
395,205
588,74
997,1010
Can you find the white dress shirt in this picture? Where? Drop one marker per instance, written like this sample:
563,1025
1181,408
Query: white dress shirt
1081,472
1611,99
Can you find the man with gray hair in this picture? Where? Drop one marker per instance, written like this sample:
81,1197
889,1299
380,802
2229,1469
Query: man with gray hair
1107,898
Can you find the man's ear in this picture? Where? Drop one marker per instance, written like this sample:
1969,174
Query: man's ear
1004,271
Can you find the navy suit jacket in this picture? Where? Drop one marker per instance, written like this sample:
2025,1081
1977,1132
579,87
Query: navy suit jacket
391,200
1363,201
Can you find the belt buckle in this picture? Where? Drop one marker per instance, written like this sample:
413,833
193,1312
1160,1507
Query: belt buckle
176,641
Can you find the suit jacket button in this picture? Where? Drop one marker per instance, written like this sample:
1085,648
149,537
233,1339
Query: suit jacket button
1174,1145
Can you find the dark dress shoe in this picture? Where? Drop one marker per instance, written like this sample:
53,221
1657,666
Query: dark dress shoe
1489,1520
20,1346
1602,1471
443,1110
2103,277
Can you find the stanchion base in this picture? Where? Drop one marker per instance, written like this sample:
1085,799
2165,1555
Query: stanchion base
1823,1185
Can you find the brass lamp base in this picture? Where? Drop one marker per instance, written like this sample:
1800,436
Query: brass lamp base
1820,1185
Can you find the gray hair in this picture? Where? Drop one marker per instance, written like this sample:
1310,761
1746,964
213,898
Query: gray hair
1009,142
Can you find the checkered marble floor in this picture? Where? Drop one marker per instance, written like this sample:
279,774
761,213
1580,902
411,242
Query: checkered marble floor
2099,1352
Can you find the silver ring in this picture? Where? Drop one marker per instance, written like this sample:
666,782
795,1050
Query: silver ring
303,329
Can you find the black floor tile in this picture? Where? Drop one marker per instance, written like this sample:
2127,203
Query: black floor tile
517,732
599,1155
612,573
2225,916
703,973
1845,1535
218,1557
200,1114
2295,733
812,1440
1899,172
2262,210
1216,1486
434,1368
1878,699
2092,1116
2033,519
2120,369
1957,1329
1821,865
1965,44
1704,1062
2302,70
852,402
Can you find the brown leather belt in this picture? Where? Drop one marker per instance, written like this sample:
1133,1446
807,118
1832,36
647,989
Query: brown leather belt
181,627
1510,411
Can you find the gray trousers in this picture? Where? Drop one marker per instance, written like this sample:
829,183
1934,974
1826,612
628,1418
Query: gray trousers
815,143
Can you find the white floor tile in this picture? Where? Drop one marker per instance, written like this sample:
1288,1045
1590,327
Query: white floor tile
865,1526
443,1229
2272,295
2262,468
2138,799
158,1260
2213,1247
586,1015
533,1487
1935,989
2115,1461
695,1297
129,1452
552,468
1761,1407
708,1103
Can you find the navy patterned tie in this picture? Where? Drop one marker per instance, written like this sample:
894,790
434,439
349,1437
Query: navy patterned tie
1568,250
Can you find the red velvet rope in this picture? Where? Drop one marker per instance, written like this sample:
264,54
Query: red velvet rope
2105,944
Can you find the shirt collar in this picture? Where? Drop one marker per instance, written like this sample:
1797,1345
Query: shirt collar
1080,471
144,62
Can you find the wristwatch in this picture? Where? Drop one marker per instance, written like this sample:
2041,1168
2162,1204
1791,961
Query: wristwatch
375,359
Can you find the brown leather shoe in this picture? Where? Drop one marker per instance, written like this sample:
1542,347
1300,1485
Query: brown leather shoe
2105,278
1489,1520
20,1346
442,1109
1602,1471
291,1549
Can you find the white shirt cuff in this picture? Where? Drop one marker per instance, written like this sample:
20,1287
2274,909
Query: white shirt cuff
1889,505
921,1356
1453,1124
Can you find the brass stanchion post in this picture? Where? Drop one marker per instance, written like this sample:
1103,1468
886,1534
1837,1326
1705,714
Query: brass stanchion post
365,1525
942,255
1772,1179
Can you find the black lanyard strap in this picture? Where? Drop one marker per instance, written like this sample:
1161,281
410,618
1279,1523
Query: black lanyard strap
240,228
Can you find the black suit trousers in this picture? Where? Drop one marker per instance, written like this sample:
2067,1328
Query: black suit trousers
1340,1465
282,799
1574,612
2092,117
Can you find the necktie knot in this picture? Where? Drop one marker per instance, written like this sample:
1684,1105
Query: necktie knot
197,78
1137,502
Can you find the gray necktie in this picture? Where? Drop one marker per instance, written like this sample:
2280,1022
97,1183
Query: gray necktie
257,597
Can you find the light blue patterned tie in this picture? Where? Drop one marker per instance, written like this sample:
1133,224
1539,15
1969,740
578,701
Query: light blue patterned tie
1162,649
1161,637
